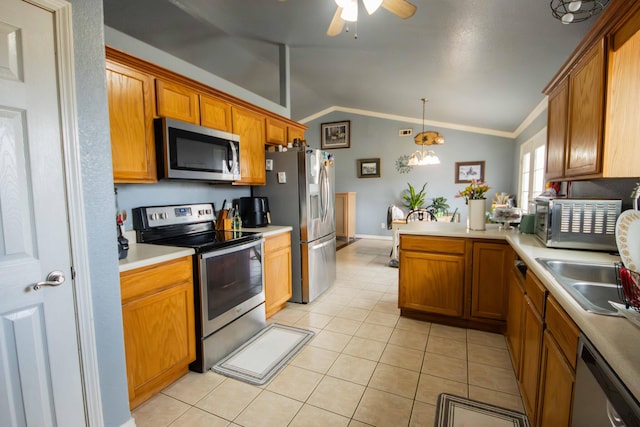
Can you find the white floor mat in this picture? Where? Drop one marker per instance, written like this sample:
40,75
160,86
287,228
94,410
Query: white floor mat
456,411
260,358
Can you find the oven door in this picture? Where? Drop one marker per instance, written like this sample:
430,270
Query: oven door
231,284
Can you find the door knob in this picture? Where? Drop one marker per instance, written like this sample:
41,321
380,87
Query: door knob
55,278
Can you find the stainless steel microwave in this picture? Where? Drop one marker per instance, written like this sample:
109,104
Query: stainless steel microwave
192,152
577,223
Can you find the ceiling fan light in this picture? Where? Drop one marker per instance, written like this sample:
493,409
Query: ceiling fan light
342,3
350,11
567,18
371,5
574,5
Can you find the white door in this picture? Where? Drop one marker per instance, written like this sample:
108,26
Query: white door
40,383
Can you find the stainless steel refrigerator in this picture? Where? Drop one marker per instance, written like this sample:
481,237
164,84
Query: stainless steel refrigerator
301,191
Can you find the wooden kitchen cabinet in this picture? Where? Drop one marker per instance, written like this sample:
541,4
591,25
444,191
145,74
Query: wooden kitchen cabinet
489,285
276,132
294,132
159,326
557,379
215,113
557,367
345,207
250,126
431,275
558,110
586,104
177,102
602,101
622,127
533,327
515,318
277,272
131,111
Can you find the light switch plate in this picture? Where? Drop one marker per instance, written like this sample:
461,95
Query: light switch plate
282,177
269,164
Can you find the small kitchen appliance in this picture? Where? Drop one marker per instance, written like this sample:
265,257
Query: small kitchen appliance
227,270
577,223
254,211
191,152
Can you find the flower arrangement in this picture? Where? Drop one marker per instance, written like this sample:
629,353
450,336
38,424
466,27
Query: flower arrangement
474,191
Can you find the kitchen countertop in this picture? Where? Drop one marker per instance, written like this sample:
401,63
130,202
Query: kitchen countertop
143,254
269,230
616,338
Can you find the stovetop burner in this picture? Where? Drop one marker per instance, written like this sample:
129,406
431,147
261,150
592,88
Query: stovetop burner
190,226
204,242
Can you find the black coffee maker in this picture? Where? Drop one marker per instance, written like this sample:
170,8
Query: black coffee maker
254,212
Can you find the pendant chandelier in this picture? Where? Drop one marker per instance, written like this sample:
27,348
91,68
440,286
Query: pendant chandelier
424,157
569,11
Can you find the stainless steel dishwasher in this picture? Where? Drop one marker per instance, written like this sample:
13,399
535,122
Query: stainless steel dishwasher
600,398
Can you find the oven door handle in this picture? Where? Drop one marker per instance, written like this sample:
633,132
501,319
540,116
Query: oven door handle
231,249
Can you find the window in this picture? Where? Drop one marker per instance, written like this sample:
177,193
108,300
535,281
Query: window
532,158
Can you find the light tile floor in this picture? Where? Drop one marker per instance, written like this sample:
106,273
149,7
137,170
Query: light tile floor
366,365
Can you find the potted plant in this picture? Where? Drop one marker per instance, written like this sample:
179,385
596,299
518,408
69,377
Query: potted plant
412,199
439,205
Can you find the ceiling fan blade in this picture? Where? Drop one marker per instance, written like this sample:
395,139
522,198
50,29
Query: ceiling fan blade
335,27
402,8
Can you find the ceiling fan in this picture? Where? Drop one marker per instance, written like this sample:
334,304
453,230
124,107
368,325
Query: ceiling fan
347,11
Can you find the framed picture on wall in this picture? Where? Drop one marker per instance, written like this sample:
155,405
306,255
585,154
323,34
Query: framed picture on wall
335,135
468,171
369,168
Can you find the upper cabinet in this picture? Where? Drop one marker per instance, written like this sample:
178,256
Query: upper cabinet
215,113
557,130
131,111
250,127
177,101
276,132
586,100
594,101
139,91
622,128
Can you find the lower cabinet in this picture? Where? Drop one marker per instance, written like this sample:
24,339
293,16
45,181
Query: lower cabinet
557,378
489,287
277,272
458,281
159,326
533,327
515,317
544,352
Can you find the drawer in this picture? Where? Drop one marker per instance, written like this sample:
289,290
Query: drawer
153,278
563,330
278,241
432,244
536,291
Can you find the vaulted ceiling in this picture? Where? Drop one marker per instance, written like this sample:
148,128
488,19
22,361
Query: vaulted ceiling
481,63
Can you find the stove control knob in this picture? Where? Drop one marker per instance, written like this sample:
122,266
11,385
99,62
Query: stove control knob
208,211
163,215
201,212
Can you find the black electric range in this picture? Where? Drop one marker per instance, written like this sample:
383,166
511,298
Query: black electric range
190,226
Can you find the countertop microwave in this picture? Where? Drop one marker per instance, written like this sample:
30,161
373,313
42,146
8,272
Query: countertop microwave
577,223
192,152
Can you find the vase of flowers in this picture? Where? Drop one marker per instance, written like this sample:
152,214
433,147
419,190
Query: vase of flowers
474,197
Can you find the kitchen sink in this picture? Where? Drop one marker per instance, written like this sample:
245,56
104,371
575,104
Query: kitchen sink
591,285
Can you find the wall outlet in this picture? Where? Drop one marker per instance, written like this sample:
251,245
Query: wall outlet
383,225
405,132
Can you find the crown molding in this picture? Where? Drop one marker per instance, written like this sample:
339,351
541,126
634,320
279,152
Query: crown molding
539,109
